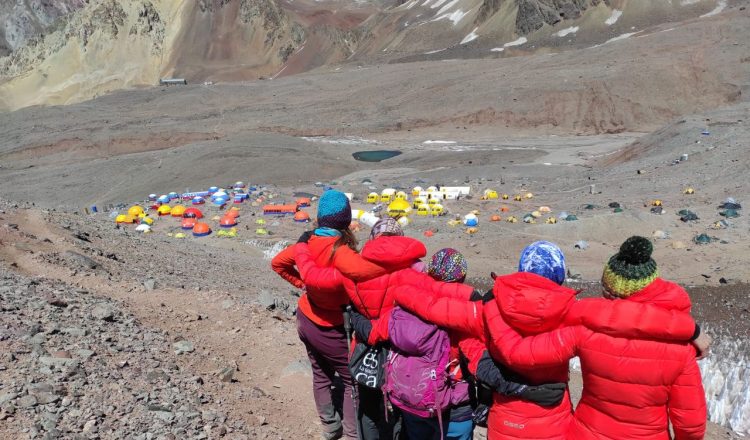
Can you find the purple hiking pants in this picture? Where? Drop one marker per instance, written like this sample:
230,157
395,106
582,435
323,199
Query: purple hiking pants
329,354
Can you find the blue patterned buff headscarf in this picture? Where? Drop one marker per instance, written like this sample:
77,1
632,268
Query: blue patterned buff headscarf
544,259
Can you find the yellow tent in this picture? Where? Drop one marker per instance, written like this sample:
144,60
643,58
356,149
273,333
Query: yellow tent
529,195
506,196
417,190
418,201
423,210
147,220
373,198
490,194
399,208
135,211
120,218
177,211
436,210
433,202
401,196
386,196
164,210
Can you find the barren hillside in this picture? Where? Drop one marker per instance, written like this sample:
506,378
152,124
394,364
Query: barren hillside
67,51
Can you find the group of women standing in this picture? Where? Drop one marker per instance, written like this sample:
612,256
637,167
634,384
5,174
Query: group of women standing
446,357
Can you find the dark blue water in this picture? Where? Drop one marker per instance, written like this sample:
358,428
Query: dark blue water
375,155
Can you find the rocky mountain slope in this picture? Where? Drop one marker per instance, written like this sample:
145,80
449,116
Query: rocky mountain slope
66,51
22,21
108,45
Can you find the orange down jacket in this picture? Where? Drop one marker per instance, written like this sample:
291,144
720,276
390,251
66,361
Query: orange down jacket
632,387
324,299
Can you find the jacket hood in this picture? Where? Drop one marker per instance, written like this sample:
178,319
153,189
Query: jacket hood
530,303
665,294
393,252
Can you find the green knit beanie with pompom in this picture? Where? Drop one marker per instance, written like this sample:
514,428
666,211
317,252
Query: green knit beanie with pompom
631,269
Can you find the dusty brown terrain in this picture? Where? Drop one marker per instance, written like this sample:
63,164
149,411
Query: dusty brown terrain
246,378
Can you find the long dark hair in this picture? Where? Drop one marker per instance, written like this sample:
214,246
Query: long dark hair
347,239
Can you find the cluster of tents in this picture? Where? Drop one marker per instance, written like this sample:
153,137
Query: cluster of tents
191,217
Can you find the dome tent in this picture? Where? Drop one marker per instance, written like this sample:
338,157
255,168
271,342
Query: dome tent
201,230
143,228
417,190
301,217
228,222
402,195
386,196
399,208
177,211
192,213
471,220
164,210
163,198
198,200
373,197
188,223
135,210
303,202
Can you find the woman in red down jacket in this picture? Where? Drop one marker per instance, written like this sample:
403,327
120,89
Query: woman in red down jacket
632,389
465,318
396,256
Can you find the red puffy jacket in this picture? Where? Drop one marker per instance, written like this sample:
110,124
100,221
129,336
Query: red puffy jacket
632,388
324,299
373,296
464,318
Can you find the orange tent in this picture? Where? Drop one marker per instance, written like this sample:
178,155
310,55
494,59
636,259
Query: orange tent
279,209
504,209
303,202
232,214
228,222
301,217
495,218
201,230
192,213
188,223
